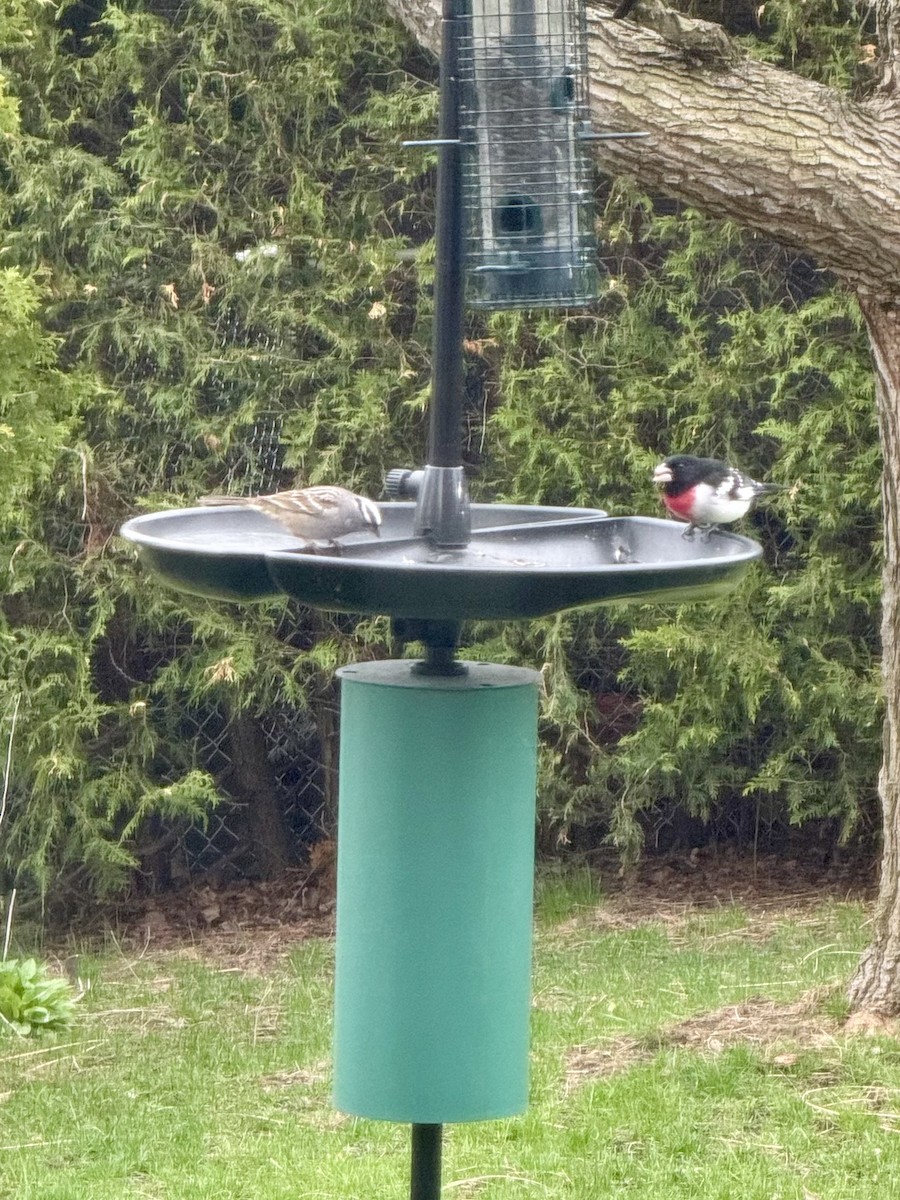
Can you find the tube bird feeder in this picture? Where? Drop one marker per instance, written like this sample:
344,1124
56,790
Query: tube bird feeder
526,175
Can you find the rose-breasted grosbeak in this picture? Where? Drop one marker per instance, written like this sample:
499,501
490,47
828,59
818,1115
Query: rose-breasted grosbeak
315,515
706,492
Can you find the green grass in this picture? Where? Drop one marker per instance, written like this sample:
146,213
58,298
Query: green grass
187,1079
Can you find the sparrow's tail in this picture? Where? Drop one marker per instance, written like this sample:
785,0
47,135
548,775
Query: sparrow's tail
234,501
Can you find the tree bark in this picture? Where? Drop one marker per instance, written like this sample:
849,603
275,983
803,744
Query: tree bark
252,783
804,165
328,727
887,19
785,156
875,986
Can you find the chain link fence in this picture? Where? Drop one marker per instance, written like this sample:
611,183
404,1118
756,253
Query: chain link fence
303,784
295,763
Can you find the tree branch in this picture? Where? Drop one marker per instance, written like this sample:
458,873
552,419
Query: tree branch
789,158
422,18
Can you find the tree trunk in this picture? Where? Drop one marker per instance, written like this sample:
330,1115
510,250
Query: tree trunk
875,987
785,156
328,728
252,782
805,165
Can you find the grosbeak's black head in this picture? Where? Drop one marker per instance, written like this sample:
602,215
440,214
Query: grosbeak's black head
679,472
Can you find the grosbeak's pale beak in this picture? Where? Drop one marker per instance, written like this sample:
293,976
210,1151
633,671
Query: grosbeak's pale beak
706,492
314,515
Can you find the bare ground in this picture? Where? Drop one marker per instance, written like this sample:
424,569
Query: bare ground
251,925
671,889
781,1031
674,891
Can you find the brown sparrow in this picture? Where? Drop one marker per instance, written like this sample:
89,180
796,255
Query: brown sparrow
312,514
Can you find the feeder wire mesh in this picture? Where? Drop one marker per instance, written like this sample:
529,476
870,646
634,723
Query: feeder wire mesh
527,180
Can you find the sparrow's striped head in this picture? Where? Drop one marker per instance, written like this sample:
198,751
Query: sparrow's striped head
324,499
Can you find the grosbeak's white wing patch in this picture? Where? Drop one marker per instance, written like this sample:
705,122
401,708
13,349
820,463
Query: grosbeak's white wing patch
721,505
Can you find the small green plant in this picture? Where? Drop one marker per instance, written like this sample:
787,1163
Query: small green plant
31,1000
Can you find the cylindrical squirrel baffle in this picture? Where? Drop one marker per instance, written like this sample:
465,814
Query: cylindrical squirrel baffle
435,880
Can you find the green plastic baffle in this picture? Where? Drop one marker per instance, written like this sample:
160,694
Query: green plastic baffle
435,881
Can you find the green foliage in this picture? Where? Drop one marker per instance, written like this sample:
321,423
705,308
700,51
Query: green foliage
831,41
761,708
31,1001
38,402
216,276
212,197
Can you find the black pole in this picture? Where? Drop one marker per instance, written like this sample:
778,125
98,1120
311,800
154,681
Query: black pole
425,1177
443,508
442,511
445,425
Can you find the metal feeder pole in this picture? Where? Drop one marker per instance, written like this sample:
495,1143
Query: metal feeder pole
425,1175
445,424
442,512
